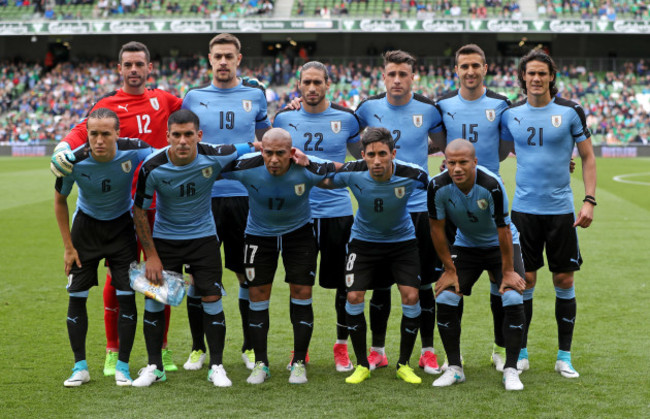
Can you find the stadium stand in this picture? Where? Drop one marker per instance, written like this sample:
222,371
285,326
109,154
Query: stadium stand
37,105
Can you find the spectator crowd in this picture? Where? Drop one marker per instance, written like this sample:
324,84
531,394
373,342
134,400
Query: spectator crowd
38,105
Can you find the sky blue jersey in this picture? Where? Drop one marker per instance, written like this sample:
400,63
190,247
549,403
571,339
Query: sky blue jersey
477,214
228,116
184,207
324,135
410,126
478,121
278,204
383,214
105,188
544,140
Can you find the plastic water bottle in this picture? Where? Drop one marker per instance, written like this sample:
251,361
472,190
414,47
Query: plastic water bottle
171,291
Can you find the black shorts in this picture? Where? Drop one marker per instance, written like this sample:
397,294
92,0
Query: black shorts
230,215
95,240
202,254
470,262
369,262
557,233
332,235
299,253
430,265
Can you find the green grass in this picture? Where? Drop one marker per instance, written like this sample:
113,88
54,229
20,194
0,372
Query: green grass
610,344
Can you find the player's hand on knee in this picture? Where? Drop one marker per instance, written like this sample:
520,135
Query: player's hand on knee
70,257
447,280
62,160
294,105
153,270
512,280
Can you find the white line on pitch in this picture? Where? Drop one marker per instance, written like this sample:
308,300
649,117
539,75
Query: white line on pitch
623,178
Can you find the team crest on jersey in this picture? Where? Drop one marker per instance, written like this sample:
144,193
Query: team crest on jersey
154,103
417,120
247,105
336,126
482,204
207,172
126,166
300,189
400,191
490,114
250,274
349,280
556,120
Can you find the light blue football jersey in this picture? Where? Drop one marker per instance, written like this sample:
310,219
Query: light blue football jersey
228,116
105,188
383,214
544,140
478,121
324,135
477,214
184,207
278,204
410,126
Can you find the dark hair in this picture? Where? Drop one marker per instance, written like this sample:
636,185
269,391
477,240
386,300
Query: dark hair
225,38
399,57
541,56
135,46
104,113
318,66
377,135
183,116
470,49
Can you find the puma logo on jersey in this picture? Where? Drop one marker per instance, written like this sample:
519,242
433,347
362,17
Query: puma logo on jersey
452,202
167,182
123,107
294,126
85,175
256,189
378,117
359,188
452,115
519,120
203,104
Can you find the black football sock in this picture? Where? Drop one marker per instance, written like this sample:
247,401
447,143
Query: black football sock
258,323
565,315
244,308
528,311
342,331
496,305
127,322
379,313
358,330
214,324
449,329
302,319
195,318
154,330
428,317
77,322
408,334
513,331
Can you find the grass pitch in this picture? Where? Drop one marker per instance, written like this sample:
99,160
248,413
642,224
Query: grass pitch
610,344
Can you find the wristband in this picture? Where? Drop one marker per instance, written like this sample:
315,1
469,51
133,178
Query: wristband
590,199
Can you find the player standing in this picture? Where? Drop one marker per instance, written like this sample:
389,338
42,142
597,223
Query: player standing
279,221
474,199
545,129
473,112
182,176
410,118
324,130
143,114
382,240
102,228
230,110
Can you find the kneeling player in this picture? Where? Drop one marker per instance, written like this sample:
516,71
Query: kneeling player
382,240
182,175
475,200
279,220
102,228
